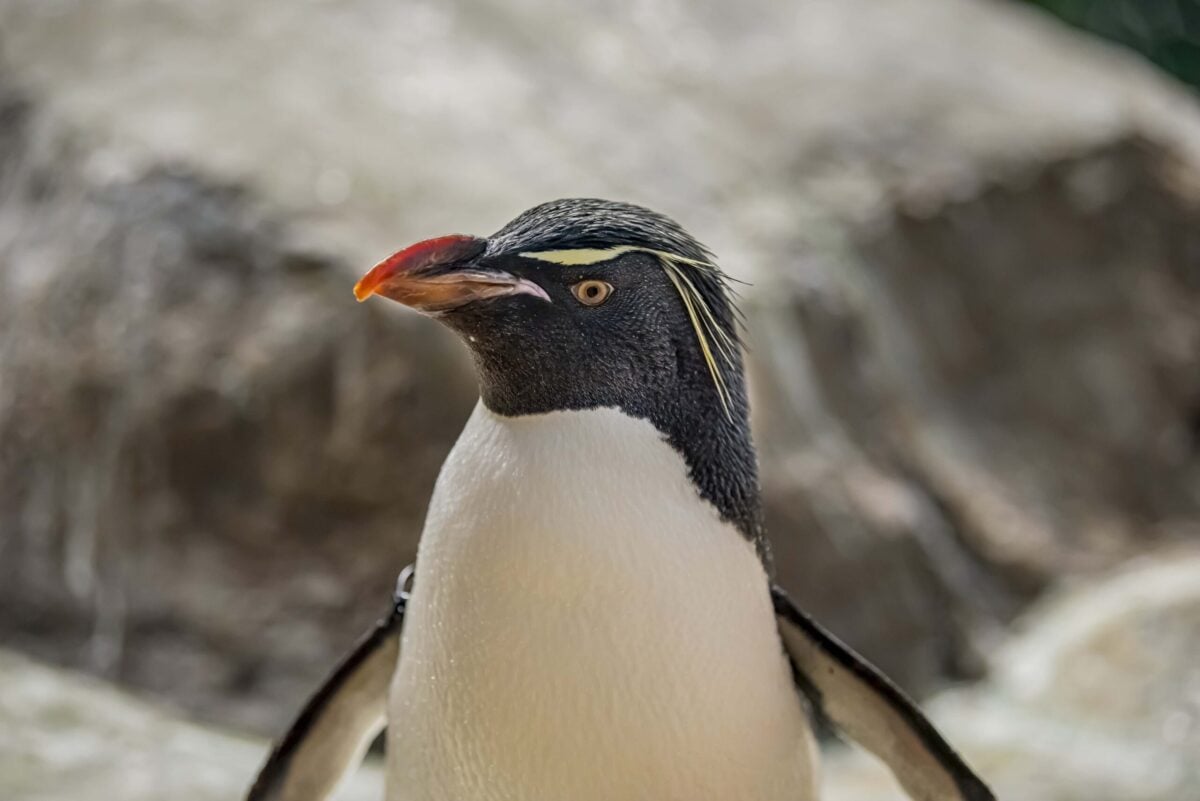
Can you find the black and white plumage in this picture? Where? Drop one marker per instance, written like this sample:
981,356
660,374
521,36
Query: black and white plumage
592,616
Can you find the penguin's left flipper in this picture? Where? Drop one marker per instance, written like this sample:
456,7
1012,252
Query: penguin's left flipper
334,729
864,704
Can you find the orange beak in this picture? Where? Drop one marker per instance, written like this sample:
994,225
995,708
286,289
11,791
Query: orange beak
412,276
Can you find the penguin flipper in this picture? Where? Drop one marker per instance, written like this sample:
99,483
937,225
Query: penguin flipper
337,724
858,699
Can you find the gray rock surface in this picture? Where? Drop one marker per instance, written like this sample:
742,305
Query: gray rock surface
1095,698
974,317
64,737
208,445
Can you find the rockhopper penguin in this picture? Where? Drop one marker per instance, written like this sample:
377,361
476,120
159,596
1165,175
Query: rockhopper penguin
591,617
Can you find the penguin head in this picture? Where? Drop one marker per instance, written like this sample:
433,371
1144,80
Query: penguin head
578,304
581,304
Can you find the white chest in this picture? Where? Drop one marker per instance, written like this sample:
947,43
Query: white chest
584,628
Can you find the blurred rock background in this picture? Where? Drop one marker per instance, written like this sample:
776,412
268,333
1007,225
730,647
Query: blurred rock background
972,237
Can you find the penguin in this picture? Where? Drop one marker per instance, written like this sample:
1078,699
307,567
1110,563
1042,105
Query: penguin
592,615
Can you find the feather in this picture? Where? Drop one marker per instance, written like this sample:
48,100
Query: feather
709,330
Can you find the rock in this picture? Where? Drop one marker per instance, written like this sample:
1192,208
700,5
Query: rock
1001,393
1096,697
208,445
1120,659
973,318
64,737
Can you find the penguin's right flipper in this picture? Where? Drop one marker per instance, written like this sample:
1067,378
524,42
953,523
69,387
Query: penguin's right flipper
334,729
863,703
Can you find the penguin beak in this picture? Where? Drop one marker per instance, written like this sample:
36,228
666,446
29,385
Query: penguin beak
437,276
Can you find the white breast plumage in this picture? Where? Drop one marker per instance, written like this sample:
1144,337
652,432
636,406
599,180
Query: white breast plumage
585,628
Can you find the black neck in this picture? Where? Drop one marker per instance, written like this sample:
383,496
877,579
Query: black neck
720,455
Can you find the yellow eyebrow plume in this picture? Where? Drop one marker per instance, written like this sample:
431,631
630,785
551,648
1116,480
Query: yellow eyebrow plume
579,256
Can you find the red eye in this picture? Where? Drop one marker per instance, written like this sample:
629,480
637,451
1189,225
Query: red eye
592,292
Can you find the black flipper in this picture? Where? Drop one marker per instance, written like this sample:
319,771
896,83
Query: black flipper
859,700
331,734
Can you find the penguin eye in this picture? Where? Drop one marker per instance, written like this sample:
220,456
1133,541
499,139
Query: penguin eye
591,292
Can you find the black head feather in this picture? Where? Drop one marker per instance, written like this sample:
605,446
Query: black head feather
593,223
